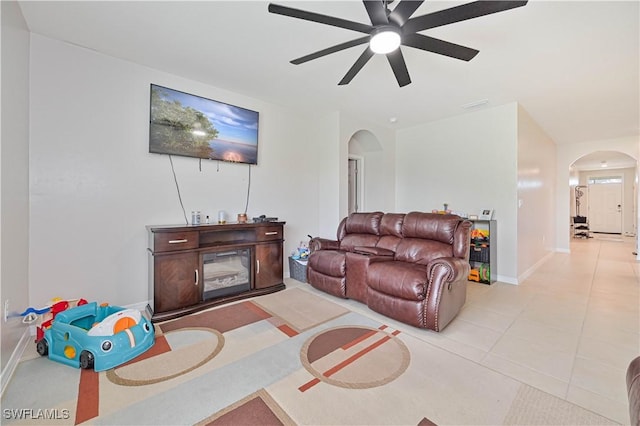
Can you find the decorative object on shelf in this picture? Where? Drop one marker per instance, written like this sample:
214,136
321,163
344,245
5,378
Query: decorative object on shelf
222,217
479,235
195,217
486,214
263,218
445,211
242,218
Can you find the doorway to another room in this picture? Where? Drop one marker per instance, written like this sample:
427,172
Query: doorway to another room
605,204
604,195
355,184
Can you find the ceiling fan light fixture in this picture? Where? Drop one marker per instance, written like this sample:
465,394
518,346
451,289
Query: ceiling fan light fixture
385,39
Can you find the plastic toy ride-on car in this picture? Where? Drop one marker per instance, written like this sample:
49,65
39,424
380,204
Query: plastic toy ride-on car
98,337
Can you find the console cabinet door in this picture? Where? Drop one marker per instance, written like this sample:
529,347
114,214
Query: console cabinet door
177,283
268,265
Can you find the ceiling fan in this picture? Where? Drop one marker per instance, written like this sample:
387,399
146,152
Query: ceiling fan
391,28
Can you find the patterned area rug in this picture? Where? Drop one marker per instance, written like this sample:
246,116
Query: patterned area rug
286,358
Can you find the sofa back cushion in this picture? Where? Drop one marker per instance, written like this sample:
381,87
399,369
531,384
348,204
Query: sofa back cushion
363,223
427,236
391,224
430,226
361,229
390,230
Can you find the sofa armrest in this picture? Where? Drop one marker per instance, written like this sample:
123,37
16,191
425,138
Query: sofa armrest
447,290
376,251
633,390
323,244
456,268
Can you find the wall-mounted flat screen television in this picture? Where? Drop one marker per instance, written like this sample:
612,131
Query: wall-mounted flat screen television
193,126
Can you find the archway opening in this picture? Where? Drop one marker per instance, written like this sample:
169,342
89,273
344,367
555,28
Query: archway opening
361,145
603,195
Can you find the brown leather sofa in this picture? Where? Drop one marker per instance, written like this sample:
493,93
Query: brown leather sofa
633,387
411,267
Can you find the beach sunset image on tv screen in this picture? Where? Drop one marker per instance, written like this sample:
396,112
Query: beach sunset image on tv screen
192,126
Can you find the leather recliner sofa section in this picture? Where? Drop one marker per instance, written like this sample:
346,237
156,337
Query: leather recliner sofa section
633,388
410,267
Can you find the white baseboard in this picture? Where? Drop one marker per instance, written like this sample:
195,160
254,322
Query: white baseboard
507,280
11,366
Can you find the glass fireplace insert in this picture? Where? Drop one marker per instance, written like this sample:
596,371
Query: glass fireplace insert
226,272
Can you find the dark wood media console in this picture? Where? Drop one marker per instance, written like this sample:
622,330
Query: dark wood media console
196,267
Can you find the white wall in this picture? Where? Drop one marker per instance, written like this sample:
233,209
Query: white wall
567,155
470,162
536,194
14,175
328,178
94,186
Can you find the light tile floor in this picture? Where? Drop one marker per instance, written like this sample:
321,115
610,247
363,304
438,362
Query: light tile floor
570,329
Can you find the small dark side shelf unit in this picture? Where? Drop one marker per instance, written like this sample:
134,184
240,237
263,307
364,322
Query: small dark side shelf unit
196,267
483,253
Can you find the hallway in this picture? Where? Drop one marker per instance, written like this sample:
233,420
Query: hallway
570,329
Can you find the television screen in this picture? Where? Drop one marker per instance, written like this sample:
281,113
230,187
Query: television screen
192,126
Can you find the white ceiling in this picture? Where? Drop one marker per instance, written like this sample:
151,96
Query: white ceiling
573,65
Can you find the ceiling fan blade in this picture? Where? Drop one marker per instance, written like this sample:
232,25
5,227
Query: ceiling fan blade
438,46
329,50
317,17
459,13
377,12
399,67
404,10
360,62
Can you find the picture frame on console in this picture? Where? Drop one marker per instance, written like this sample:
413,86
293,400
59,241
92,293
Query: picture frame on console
486,214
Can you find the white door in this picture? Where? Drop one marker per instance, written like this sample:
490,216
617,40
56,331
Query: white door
605,208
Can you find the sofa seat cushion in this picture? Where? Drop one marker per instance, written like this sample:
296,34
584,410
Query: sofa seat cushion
328,262
399,279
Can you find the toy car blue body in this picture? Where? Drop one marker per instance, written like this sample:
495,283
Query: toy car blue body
98,337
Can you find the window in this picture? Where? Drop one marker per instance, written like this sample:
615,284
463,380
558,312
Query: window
599,180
